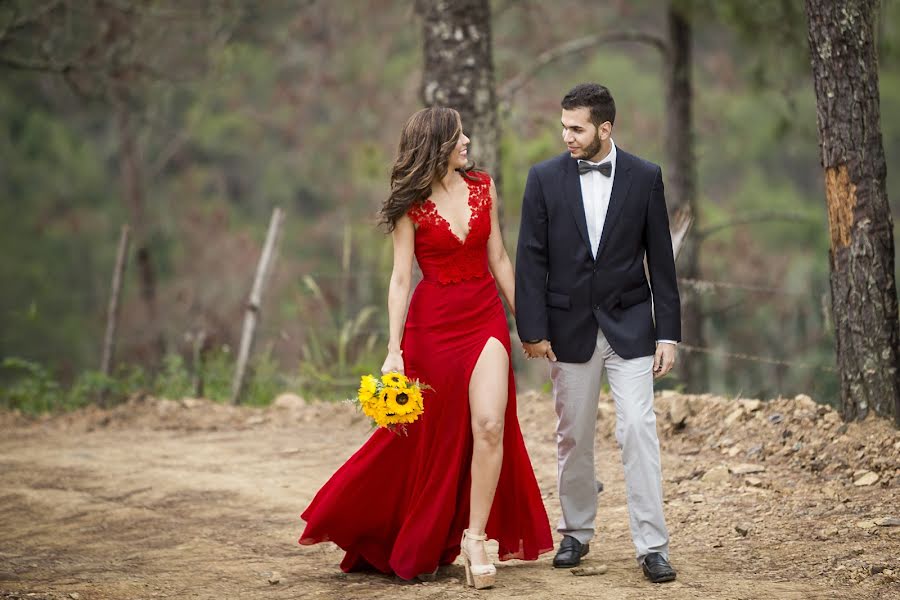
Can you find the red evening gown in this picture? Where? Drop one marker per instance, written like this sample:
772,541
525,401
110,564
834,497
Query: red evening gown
400,504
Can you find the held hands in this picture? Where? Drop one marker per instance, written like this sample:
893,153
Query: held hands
541,349
393,363
664,359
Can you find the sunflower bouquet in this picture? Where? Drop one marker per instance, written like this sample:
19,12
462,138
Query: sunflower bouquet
393,401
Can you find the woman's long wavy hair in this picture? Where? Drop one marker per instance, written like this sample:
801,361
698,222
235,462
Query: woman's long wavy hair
428,138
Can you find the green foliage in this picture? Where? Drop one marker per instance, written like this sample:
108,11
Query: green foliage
262,383
338,350
174,380
32,388
93,387
265,381
218,372
771,34
52,214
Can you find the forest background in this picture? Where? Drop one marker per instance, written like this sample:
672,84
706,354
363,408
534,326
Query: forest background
245,106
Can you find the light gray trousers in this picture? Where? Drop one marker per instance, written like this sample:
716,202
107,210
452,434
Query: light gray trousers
576,392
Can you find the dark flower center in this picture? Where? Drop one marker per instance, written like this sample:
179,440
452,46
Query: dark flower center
402,399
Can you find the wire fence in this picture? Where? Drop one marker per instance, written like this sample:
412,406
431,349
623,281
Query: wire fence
756,358
704,286
286,336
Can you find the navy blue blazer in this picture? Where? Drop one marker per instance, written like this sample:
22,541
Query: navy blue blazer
564,295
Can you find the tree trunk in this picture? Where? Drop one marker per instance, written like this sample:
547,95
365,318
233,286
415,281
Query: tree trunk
681,186
863,290
132,184
459,72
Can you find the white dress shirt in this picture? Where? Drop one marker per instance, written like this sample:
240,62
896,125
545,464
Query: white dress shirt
595,192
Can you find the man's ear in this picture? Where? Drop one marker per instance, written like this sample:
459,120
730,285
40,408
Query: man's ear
605,130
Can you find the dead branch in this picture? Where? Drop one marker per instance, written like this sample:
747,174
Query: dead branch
750,218
508,89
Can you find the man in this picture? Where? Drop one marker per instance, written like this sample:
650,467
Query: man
590,216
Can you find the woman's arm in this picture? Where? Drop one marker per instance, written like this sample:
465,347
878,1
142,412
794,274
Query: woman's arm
404,237
498,259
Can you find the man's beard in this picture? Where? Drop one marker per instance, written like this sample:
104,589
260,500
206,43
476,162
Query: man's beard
593,149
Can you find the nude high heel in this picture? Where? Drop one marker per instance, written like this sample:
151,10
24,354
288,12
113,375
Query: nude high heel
479,576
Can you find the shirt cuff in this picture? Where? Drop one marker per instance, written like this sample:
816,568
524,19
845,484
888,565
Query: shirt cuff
673,342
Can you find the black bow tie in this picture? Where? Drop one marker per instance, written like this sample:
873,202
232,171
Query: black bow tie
585,167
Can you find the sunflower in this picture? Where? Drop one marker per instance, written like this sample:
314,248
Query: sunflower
391,401
408,418
374,408
415,398
397,401
381,418
394,379
368,387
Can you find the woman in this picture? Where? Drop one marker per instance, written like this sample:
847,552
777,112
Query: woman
408,504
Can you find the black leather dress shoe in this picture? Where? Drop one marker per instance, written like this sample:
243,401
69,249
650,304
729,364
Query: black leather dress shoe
657,569
570,552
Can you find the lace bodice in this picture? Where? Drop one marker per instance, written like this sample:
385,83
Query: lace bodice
442,256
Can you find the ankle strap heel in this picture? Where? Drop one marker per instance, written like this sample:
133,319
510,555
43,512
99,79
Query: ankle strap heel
478,576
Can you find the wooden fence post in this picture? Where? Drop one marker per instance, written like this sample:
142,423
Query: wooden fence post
112,313
198,340
251,316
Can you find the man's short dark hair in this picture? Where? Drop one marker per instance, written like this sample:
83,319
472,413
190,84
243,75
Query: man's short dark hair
594,96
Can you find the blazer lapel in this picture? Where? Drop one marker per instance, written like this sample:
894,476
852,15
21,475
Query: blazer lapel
617,197
572,192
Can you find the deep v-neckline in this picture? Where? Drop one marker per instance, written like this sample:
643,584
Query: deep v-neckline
462,241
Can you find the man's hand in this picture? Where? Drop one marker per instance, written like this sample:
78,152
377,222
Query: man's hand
664,359
539,349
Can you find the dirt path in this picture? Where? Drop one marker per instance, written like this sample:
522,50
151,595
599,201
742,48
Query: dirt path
158,499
